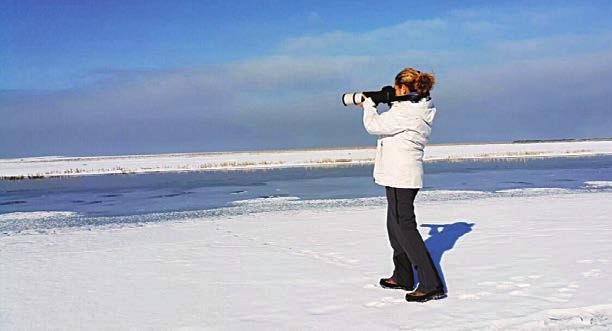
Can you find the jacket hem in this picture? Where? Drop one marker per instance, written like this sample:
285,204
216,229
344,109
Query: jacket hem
381,183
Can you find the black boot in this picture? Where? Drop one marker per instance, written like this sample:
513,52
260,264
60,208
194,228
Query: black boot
384,282
418,296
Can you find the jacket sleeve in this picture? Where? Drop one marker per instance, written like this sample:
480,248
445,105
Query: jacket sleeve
379,124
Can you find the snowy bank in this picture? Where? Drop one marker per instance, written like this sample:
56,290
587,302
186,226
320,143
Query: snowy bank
509,262
51,166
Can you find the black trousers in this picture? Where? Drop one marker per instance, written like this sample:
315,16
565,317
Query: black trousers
408,247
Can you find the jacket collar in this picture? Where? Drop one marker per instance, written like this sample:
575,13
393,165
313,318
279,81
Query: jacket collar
424,102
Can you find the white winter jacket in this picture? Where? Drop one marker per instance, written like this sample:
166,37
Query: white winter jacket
403,133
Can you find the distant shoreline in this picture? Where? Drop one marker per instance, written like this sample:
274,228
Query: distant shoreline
521,141
60,166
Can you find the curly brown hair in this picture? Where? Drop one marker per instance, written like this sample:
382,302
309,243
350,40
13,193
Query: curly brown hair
416,81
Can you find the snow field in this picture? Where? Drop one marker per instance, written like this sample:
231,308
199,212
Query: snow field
509,262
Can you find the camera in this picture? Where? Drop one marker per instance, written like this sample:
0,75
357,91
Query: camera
385,95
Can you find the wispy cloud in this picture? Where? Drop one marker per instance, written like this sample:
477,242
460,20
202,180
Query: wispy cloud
379,40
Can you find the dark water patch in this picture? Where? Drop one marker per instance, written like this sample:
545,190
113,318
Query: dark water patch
272,196
94,202
14,202
16,191
113,195
517,182
170,195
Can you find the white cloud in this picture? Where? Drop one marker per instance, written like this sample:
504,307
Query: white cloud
406,33
557,45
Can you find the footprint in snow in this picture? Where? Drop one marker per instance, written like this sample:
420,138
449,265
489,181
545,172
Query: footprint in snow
519,293
384,301
325,310
558,291
518,278
567,289
592,273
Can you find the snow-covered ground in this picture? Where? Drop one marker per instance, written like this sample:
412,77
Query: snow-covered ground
509,262
76,166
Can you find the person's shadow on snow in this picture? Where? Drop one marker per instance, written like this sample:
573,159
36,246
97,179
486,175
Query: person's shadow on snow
442,238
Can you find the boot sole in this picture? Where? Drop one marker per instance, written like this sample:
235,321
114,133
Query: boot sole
397,288
427,298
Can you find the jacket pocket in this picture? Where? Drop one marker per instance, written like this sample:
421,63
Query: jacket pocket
381,162
378,162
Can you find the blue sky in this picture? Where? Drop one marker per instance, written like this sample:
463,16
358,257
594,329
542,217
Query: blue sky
112,77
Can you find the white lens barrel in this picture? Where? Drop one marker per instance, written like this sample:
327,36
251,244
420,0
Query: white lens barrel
352,98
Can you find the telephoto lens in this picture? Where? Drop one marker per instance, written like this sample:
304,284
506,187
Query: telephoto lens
352,98
385,95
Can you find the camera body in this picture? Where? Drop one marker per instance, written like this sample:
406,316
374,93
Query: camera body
385,95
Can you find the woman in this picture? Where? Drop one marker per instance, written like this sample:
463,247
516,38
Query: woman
403,133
